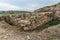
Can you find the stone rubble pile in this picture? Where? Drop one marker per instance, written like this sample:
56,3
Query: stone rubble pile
28,21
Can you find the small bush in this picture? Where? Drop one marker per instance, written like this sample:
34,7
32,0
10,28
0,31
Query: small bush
53,22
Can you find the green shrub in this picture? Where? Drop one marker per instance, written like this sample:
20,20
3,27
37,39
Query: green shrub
53,22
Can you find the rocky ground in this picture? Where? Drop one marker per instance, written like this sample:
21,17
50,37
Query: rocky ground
8,32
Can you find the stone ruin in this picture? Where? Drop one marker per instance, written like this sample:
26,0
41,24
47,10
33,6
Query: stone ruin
28,21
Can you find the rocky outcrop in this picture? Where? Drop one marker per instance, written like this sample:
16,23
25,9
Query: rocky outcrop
28,21
55,9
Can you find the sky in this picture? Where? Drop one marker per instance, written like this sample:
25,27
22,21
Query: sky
25,5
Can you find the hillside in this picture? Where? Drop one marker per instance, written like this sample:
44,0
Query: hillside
2,12
49,8
42,24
